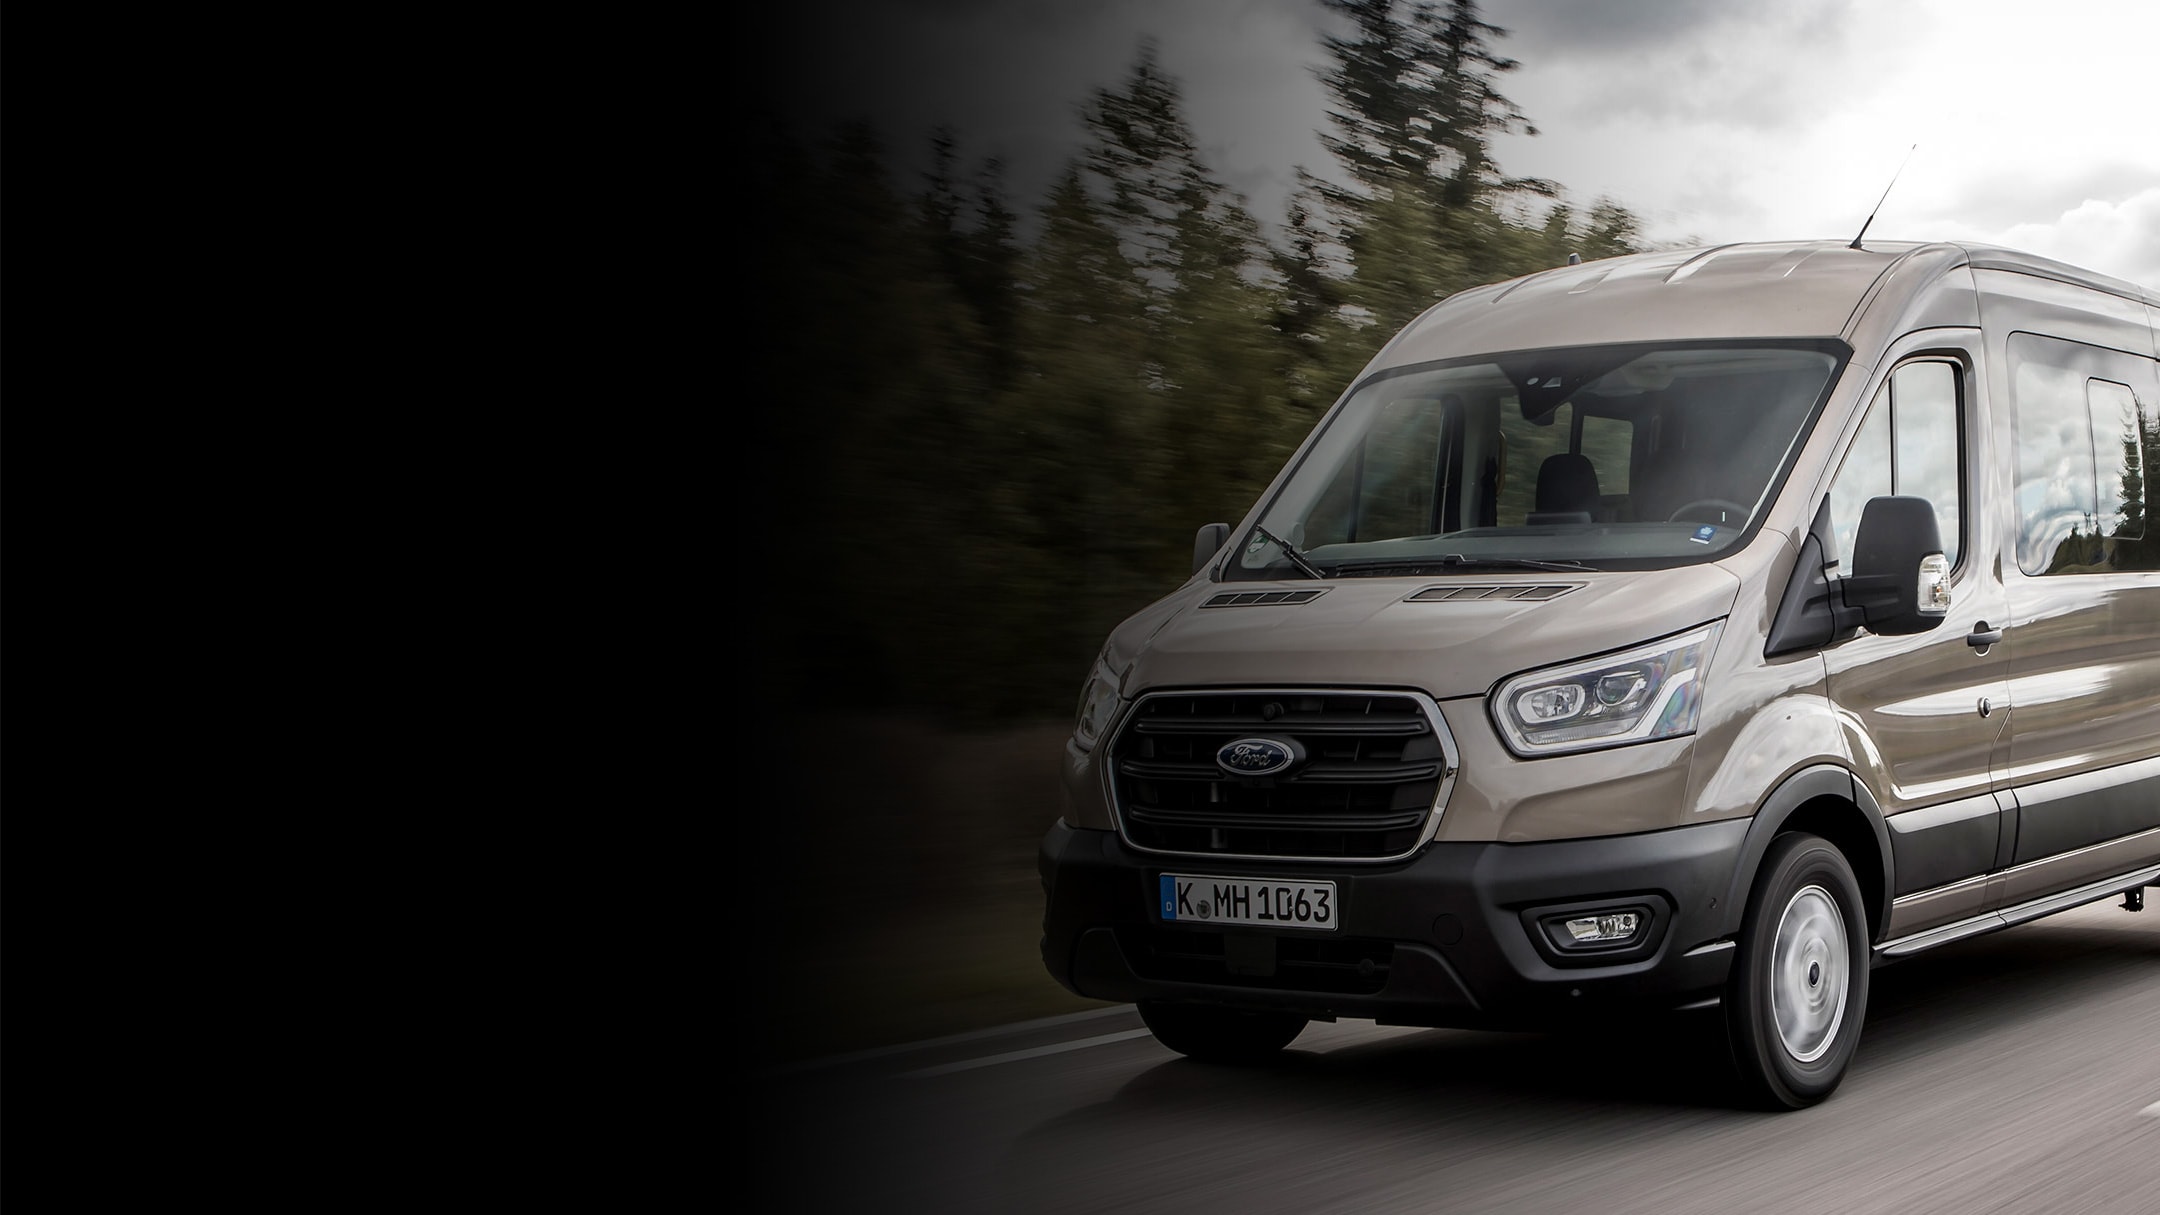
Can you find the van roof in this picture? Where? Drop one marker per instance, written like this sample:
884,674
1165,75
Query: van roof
1789,289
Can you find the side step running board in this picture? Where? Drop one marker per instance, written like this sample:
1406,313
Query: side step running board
2009,916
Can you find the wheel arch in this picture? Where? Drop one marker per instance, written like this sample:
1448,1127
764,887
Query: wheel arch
1824,800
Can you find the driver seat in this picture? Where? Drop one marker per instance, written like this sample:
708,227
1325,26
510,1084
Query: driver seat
1567,490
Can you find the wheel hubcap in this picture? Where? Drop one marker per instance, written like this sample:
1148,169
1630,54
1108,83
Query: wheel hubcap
1809,965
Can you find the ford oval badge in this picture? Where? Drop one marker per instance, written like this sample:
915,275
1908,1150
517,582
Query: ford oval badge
1256,756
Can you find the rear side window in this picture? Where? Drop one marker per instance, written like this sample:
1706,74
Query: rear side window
1909,443
2118,460
2084,442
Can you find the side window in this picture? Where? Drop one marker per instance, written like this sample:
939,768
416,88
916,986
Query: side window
2054,460
1388,488
1924,419
1527,446
1610,445
1909,443
1865,474
2084,443
2119,473
1400,471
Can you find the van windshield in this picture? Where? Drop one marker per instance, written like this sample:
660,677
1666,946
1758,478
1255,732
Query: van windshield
1622,456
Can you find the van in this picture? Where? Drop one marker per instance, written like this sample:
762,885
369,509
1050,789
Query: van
1690,630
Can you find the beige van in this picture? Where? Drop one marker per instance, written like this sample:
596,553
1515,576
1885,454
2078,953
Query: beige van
1695,629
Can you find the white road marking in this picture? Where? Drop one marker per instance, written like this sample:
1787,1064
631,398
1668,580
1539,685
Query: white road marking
1323,1037
2151,1111
1014,1056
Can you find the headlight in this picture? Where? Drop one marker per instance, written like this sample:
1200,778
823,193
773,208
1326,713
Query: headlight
1098,704
1653,691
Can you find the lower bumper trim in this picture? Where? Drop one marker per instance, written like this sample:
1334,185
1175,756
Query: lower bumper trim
1444,938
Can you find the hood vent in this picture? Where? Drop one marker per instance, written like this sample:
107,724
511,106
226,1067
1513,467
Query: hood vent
1518,591
1265,598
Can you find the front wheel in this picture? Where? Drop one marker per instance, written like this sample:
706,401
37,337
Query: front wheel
1799,986
1220,1035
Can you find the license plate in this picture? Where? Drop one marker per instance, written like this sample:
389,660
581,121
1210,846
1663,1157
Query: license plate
1190,899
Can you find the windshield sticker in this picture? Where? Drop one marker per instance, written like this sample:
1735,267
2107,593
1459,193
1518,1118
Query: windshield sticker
1702,534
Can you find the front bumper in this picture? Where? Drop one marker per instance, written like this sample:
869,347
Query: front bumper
1448,937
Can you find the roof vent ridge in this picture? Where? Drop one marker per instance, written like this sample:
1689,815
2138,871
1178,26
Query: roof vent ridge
1696,262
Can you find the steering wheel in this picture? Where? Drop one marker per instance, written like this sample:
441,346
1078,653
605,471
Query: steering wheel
1724,503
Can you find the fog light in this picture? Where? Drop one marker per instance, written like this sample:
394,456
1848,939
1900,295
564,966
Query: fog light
1598,933
1604,929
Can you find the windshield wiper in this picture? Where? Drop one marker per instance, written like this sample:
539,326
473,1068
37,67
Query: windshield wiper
1458,561
1296,558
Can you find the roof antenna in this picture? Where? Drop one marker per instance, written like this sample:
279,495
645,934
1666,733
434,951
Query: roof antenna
1574,259
1879,202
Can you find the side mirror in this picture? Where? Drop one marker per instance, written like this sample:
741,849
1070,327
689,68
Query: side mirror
1900,581
1207,542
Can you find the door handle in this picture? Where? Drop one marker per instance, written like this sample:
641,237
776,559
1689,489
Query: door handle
1982,636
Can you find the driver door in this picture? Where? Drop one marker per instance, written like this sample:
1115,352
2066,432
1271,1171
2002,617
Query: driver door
1925,714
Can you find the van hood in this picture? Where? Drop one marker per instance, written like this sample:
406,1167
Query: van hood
1448,636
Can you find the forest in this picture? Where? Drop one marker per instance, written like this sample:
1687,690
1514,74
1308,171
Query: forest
983,449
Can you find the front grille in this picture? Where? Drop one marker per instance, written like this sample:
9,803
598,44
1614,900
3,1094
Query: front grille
1373,769
1339,965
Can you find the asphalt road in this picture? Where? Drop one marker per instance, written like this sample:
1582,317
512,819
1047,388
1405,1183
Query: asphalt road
2017,1072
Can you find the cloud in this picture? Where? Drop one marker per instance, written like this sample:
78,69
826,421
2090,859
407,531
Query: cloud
1684,61
2120,238
1561,29
1995,199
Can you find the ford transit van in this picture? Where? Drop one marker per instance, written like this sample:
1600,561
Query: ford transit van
1688,630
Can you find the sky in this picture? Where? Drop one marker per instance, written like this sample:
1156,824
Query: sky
2015,124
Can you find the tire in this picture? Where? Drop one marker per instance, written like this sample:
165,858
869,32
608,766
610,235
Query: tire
1220,1035
1799,984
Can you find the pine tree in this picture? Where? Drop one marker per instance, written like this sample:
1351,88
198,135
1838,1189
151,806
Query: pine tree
1212,363
1415,108
977,255
1373,112
1077,449
1318,348
990,278
1463,106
